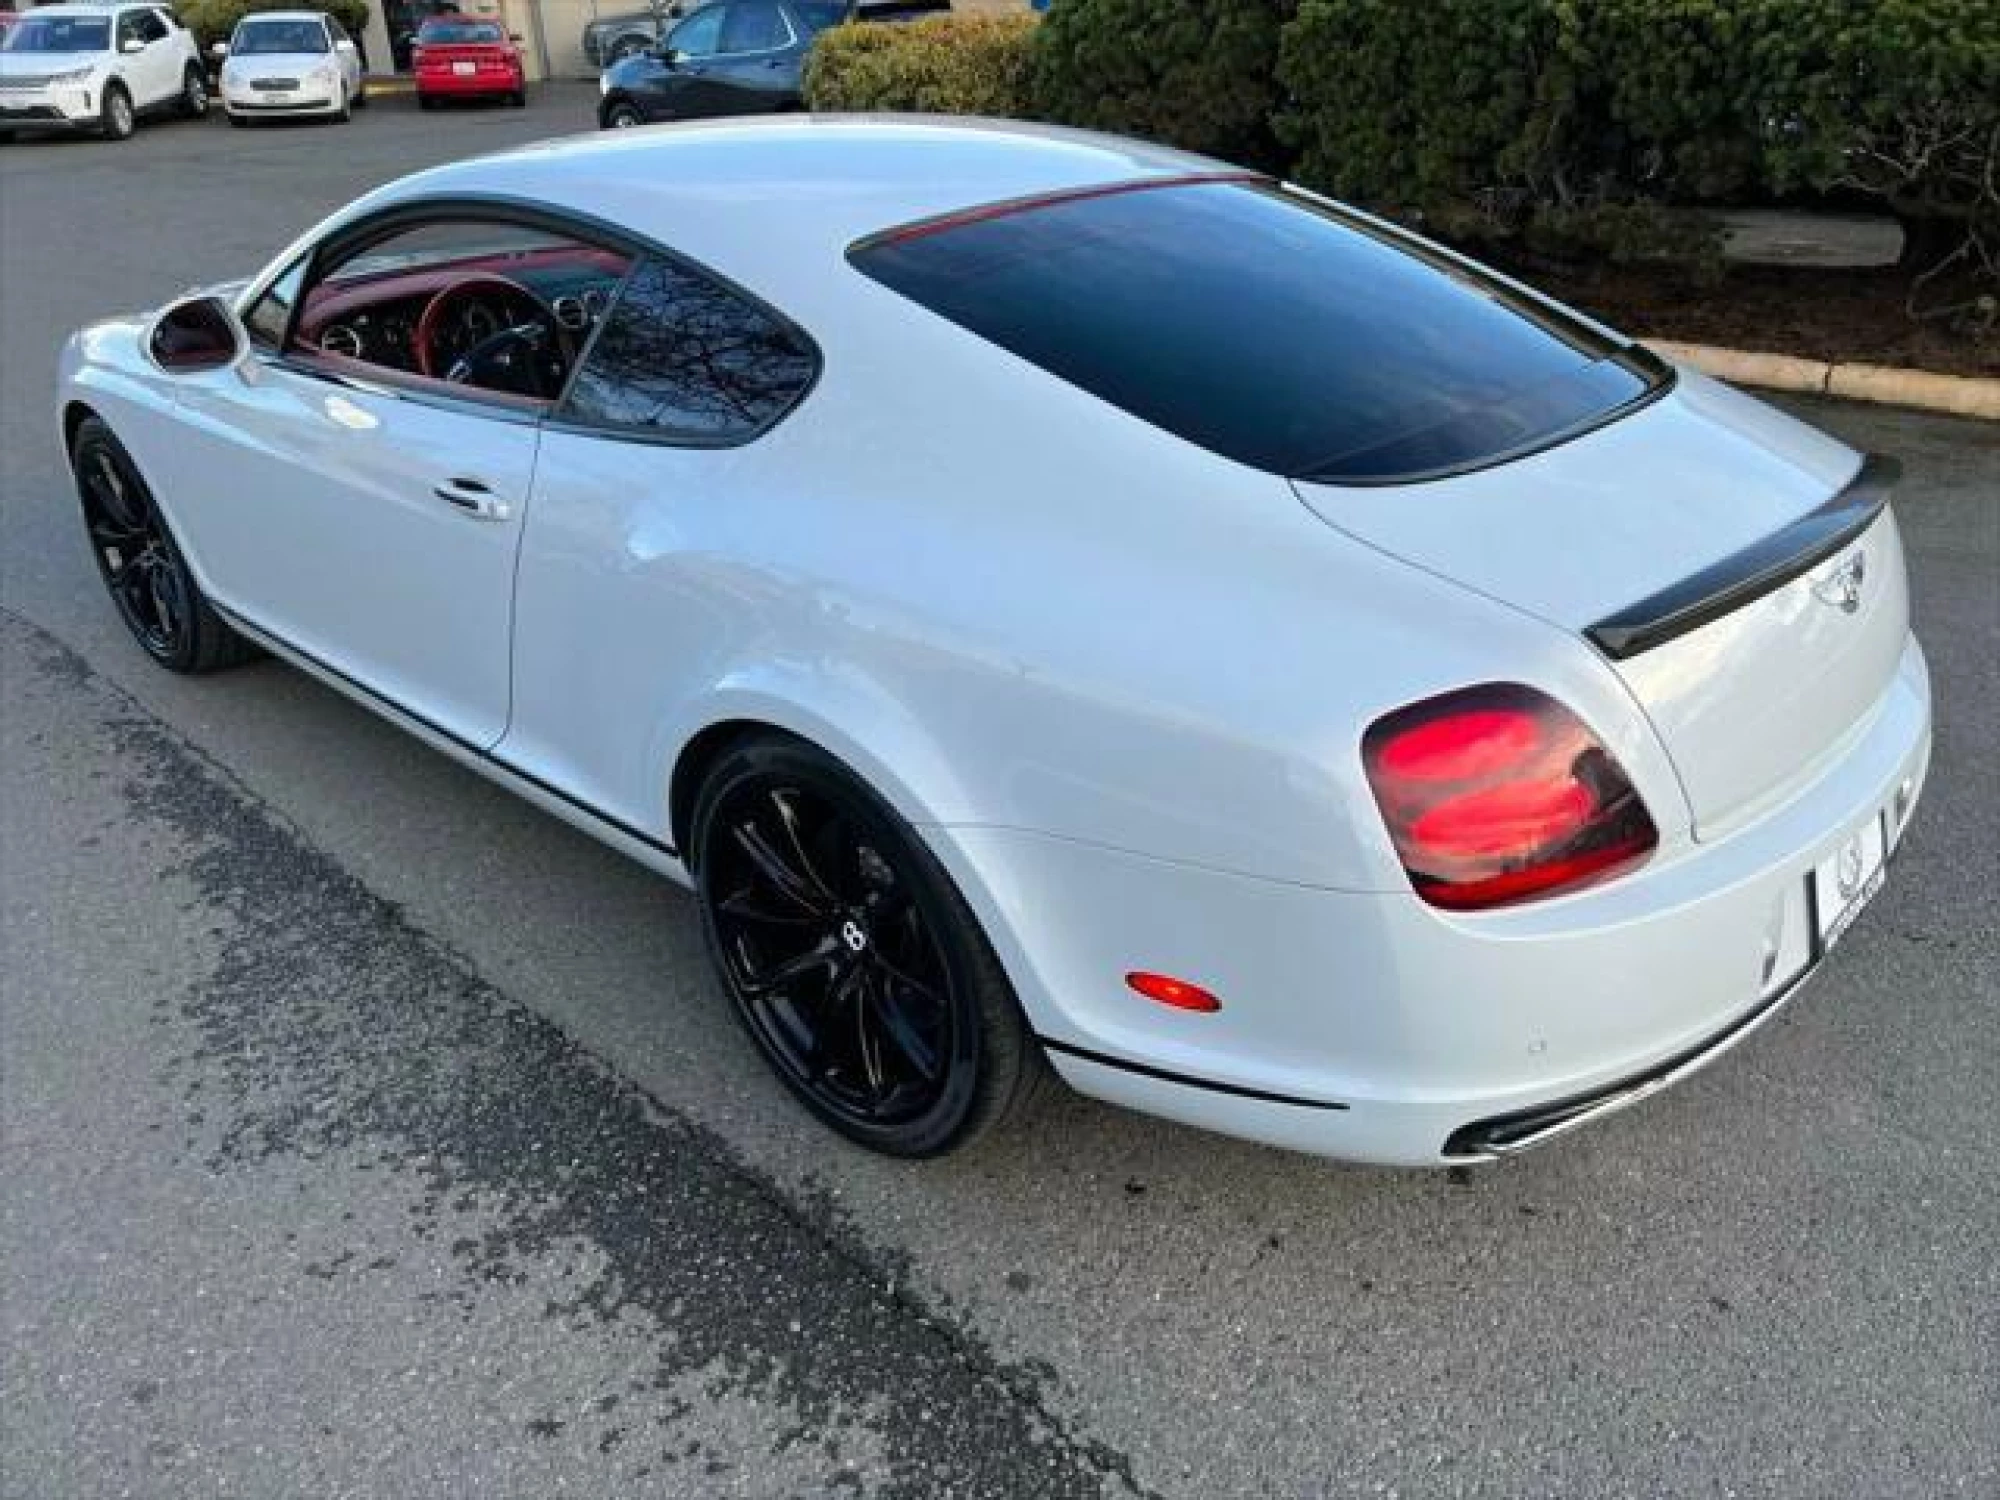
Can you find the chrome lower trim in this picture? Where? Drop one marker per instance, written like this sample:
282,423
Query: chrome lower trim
1523,1130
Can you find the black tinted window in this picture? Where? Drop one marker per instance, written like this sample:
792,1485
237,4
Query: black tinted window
754,26
1266,329
684,357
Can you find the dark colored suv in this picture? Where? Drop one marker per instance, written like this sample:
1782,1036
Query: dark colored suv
734,57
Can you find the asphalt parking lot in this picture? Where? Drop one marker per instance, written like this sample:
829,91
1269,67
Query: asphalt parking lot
365,1132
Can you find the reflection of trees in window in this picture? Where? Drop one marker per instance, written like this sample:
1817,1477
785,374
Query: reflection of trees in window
684,357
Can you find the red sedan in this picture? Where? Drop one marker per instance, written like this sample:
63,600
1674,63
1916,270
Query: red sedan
457,57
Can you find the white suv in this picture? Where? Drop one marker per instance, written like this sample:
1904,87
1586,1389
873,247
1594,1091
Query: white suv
97,67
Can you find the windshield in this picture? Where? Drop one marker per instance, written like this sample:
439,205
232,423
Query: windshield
57,34
1267,328
456,33
266,38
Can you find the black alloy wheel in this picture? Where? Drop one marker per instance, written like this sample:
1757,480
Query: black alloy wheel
851,960
142,568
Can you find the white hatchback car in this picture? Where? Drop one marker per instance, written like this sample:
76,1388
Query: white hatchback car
97,68
1057,598
290,63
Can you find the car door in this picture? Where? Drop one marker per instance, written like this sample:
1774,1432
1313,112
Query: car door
684,87
346,54
153,73
366,516
666,455
756,67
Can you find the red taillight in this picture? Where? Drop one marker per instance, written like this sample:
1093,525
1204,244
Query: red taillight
1498,794
1175,992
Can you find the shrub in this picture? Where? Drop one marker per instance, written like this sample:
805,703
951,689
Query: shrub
970,65
213,20
1415,107
1577,118
1200,74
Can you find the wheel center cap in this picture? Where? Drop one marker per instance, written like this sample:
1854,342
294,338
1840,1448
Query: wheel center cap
852,934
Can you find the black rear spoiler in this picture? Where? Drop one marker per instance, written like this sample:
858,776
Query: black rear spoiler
1761,568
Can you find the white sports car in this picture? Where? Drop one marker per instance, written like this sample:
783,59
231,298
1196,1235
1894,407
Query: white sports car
1057,601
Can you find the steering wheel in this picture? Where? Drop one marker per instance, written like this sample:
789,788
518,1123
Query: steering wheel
525,351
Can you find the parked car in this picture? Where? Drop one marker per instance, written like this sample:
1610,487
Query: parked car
460,57
1054,596
610,39
99,68
290,63
733,57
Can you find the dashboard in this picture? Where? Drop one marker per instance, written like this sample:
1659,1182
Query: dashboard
374,318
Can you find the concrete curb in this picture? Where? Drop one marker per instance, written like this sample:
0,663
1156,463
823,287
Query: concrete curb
1959,395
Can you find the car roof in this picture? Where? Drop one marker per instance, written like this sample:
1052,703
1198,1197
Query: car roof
282,15
96,7
790,192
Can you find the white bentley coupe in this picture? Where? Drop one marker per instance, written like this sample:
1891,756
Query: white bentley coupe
1058,603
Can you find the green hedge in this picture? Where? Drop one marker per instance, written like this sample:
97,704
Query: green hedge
214,20
963,65
1201,74
1526,111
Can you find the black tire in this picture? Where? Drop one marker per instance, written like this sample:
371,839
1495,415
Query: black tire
115,119
236,121
346,111
194,94
885,948
142,567
361,95
426,103
519,98
623,115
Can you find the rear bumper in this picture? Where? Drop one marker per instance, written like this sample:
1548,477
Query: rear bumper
1368,1026
478,86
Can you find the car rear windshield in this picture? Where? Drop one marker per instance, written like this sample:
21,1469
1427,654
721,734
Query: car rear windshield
1267,327
456,33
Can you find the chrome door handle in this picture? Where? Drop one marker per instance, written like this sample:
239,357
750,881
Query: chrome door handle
474,498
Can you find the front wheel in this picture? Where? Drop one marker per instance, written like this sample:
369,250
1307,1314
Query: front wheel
141,564
194,94
851,959
346,111
623,115
115,120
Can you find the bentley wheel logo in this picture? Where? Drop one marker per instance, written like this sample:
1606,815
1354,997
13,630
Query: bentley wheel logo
1842,587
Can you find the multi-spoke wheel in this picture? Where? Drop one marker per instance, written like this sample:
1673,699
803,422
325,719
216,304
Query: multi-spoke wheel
851,959
144,571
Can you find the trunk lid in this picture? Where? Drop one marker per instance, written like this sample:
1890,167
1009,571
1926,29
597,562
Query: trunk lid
1713,543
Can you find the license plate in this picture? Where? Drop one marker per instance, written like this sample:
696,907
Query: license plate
1847,880
465,70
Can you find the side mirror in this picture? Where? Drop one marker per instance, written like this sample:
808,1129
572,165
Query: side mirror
516,38
343,46
200,333
218,50
131,45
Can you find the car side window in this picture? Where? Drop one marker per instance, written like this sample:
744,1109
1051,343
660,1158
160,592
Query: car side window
683,358
700,35
754,26
270,317
142,25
